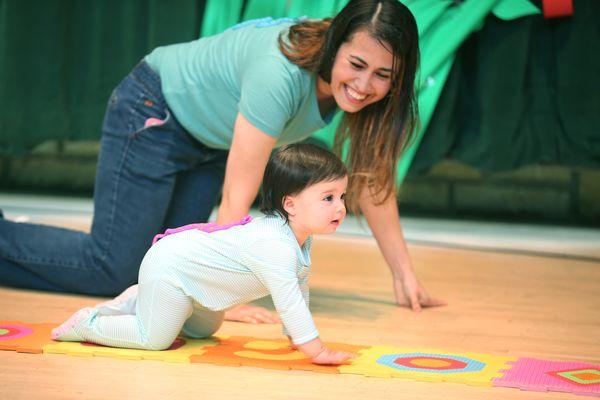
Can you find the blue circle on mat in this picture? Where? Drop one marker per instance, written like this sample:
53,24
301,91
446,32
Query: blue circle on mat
389,361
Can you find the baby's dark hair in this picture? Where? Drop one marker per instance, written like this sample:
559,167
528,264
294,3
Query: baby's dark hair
293,168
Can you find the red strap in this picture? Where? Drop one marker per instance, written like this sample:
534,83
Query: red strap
557,8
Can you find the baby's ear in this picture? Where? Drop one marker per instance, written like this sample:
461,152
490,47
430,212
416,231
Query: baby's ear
289,205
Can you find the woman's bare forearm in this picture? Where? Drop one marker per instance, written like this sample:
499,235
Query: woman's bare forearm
248,156
384,221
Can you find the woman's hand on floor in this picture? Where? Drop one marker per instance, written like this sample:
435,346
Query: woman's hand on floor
410,293
251,315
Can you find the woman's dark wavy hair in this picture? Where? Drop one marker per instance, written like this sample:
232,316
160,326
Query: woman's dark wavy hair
293,168
379,133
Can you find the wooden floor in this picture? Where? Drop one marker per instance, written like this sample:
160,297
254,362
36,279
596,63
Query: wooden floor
499,303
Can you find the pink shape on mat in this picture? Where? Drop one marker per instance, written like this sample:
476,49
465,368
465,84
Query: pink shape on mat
541,375
207,227
12,331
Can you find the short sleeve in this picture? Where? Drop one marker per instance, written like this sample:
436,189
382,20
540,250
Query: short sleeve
269,95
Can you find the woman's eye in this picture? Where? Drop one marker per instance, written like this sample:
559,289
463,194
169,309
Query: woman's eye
355,65
383,76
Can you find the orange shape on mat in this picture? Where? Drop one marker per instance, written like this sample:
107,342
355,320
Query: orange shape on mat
24,337
270,354
587,376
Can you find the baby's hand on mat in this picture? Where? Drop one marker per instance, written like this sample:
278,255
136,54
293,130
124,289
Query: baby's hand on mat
251,315
320,354
333,357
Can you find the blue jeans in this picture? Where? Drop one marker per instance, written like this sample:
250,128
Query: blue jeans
148,179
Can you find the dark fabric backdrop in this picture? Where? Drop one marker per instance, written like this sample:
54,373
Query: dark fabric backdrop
60,60
521,92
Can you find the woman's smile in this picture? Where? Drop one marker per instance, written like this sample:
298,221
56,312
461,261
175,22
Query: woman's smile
353,95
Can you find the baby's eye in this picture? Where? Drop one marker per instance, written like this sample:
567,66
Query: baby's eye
329,198
343,197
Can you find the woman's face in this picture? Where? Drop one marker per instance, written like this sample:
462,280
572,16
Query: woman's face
361,73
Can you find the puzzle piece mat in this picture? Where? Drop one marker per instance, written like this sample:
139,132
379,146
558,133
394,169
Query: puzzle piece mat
430,365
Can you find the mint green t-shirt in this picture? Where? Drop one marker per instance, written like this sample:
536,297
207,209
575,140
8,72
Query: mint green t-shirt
206,83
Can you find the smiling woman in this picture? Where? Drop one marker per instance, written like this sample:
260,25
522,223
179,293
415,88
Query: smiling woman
365,59
195,117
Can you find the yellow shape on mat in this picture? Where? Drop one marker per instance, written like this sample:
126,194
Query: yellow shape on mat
179,352
430,365
268,345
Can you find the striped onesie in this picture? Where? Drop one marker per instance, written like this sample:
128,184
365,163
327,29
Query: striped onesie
187,280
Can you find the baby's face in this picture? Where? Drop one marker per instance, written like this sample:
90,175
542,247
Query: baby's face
319,208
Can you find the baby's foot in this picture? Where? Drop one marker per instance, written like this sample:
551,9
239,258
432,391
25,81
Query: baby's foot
66,331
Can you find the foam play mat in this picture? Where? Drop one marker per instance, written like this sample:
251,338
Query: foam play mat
430,365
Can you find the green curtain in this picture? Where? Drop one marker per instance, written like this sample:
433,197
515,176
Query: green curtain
521,93
443,26
60,60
